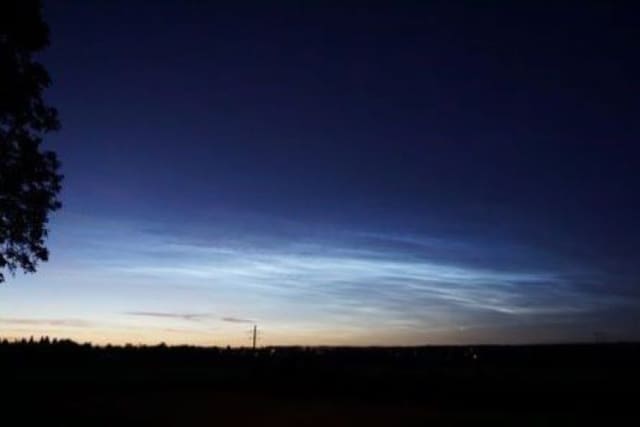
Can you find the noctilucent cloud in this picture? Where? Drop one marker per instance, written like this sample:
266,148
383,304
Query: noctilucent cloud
399,175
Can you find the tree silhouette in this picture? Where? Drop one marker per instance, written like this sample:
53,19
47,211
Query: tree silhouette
29,178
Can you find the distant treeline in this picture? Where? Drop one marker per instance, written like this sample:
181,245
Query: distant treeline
398,358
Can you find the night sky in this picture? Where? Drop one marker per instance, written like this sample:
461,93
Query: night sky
399,173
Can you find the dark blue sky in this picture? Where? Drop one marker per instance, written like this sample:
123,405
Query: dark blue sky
384,173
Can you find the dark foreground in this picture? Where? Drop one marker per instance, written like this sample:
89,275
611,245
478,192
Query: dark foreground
65,384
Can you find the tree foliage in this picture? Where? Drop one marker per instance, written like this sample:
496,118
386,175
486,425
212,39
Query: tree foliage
29,176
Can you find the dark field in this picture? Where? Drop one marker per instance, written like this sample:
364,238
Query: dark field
64,383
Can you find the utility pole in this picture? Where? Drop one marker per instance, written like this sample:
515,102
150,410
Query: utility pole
255,333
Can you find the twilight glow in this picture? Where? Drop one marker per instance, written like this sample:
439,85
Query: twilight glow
135,283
